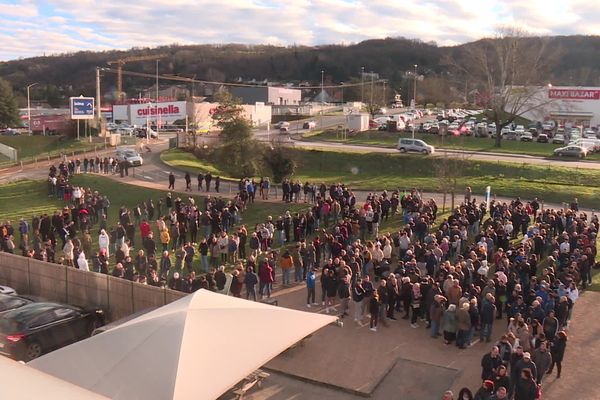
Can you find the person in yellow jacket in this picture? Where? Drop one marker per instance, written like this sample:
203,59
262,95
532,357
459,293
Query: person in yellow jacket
165,238
286,262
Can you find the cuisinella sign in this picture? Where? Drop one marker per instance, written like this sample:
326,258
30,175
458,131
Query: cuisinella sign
170,109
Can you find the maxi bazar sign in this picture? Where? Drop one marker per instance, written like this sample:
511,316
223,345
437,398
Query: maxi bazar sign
167,112
574,94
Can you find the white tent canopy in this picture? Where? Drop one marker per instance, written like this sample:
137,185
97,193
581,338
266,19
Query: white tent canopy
20,381
195,348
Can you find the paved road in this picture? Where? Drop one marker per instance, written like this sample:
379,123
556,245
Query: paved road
482,156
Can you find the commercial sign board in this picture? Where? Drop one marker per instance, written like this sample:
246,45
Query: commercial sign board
574,94
167,112
82,107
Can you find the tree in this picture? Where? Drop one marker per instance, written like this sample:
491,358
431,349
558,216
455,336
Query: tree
507,72
9,112
238,147
279,162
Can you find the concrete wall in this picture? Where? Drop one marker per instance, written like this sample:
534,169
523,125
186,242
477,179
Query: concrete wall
8,151
117,297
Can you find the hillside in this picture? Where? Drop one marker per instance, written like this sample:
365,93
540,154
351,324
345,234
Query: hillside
65,75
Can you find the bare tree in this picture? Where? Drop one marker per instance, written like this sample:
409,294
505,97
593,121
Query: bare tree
506,71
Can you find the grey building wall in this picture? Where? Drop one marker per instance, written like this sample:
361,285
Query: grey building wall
250,95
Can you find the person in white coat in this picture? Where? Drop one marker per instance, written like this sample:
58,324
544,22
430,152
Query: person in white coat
82,262
104,241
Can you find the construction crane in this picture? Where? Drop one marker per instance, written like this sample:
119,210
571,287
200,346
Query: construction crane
124,61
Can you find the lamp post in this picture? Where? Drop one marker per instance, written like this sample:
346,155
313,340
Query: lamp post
29,107
415,87
362,85
414,99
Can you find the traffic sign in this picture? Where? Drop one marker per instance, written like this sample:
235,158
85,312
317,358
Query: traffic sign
82,107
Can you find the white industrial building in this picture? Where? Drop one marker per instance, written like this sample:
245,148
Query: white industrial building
568,106
167,112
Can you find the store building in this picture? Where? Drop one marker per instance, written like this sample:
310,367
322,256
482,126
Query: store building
168,112
267,95
569,106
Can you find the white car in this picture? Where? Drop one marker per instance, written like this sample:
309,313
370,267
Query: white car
520,129
129,155
559,138
526,137
589,134
7,290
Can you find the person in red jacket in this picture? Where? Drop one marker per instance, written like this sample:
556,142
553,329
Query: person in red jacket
265,275
145,229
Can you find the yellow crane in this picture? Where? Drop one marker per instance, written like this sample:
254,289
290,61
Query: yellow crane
125,60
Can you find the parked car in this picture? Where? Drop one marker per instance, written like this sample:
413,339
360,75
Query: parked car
12,301
7,290
542,138
559,138
571,151
281,124
520,129
526,137
37,328
309,125
414,145
129,155
11,132
141,133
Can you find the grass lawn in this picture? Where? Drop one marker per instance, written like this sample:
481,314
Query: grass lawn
387,139
28,198
370,171
29,147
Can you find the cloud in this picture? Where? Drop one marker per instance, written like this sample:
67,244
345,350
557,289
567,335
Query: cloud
98,25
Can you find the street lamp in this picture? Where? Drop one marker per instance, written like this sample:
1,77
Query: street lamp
29,107
415,87
362,84
414,99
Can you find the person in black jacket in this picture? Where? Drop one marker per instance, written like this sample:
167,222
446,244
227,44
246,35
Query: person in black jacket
344,294
490,363
171,181
200,180
358,296
557,349
525,387
330,284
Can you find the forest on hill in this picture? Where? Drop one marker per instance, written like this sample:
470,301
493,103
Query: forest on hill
72,74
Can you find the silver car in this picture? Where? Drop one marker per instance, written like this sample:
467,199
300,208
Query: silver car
571,151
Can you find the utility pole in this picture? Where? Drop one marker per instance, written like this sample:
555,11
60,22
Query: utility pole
372,88
384,102
322,97
156,97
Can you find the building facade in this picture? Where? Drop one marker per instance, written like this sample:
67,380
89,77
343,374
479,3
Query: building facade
267,95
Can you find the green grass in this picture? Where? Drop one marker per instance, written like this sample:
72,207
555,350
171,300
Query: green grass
28,198
373,171
29,147
386,139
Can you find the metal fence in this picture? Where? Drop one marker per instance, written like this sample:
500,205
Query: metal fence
117,297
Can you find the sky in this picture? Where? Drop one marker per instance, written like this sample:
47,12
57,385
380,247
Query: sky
33,28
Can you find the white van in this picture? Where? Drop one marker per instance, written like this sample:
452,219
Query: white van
414,145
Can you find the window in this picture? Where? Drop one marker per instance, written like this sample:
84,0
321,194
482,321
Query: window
42,319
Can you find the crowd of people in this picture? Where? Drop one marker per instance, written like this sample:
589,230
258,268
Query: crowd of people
512,261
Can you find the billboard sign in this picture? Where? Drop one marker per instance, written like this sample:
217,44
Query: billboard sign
166,112
82,107
574,94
